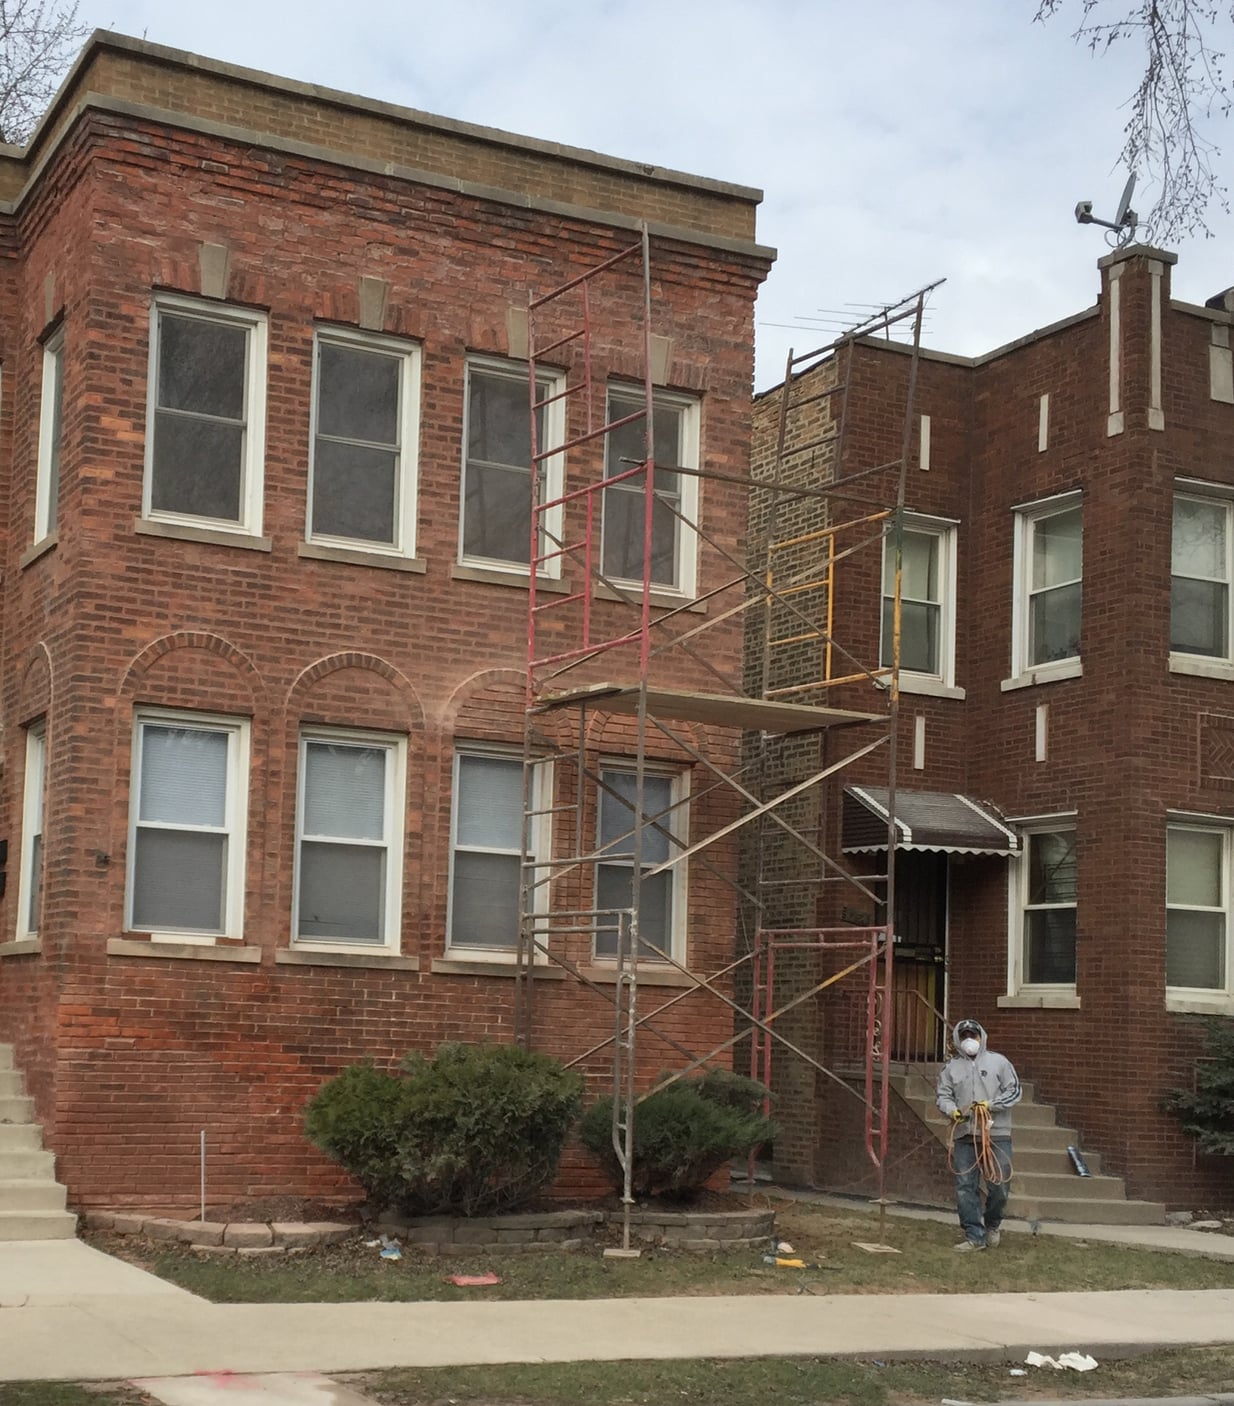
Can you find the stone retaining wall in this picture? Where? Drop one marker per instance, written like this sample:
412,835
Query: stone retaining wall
537,1232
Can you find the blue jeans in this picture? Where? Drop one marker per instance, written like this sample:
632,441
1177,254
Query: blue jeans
974,1220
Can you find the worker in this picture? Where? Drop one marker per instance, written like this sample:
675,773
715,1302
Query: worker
977,1090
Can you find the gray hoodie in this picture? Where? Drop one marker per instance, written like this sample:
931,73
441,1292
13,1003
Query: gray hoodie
987,1078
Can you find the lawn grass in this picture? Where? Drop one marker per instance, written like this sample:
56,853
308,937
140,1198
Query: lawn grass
72,1394
823,1236
793,1382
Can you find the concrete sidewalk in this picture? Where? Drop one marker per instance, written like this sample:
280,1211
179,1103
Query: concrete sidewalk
68,1312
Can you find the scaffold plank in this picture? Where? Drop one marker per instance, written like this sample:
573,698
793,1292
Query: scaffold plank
726,710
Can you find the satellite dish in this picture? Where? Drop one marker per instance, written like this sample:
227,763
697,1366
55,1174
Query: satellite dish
1124,203
1123,225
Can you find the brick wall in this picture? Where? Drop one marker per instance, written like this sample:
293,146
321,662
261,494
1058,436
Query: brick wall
131,1050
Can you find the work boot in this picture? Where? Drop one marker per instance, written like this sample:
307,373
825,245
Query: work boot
992,1237
968,1246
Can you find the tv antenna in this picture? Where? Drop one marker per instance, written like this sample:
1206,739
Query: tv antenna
1123,224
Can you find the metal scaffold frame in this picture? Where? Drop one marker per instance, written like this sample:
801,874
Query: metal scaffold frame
599,642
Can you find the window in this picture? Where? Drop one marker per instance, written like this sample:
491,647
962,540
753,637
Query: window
1048,907
661,895
1197,898
496,527
486,847
30,890
206,428
1200,577
51,414
1049,557
349,839
927,600
674,446
188,813
365,414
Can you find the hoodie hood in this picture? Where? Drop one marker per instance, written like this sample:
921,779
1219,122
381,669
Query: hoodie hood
969,1024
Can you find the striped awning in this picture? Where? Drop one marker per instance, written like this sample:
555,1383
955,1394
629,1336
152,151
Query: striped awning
934,820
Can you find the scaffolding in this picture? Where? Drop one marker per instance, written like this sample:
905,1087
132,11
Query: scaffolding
613,636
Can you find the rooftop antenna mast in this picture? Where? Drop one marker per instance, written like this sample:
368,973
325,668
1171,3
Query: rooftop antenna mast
1122,226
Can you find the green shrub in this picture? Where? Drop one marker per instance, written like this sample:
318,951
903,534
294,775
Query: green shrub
683,1134
475,1130
1207,1111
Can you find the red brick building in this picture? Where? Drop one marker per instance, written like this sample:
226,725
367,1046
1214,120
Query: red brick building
1068,661
264,464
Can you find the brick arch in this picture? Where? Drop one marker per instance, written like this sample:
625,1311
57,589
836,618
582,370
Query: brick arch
143,664
36,688
487,704
410,709
618,733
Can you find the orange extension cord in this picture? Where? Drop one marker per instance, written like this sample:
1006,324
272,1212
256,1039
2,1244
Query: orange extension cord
988,1166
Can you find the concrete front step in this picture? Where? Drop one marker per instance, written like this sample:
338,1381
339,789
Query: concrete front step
1031,1120
14,1109
1055,1187
1080,1212
10,1084
1050,1160
20,1137
26,1163
6,1057
31,1194
37,1225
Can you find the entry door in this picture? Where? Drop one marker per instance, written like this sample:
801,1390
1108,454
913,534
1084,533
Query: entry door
918,1032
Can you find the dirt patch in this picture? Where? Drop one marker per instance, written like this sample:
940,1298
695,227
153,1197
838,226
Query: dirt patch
290,1209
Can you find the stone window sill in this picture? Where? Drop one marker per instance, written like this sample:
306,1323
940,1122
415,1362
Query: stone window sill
213,536
39,549
519,579
21,947
1199,1004
181,951
1044,673
632,595
1201,668
1040,1001
649,974
929,688
491,966
306,957
357,556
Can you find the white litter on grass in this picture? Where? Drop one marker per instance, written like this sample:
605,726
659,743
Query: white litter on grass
784,1248
1076,1361
1018,1372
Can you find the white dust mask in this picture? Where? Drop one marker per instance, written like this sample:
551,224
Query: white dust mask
970,1047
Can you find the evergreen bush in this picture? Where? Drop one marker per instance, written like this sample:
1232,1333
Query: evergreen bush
1207,1111
683,1134
476,1130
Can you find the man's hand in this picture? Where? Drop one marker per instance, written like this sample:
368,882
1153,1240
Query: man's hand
957,1116
982,1105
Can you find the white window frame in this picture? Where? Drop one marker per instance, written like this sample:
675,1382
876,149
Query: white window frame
1018,986
1027,519
552,470
33,813
394,825
946,532
51,437
685,556
540,854
1206,1000
235,826
1209,665
253,456
677,823
407,473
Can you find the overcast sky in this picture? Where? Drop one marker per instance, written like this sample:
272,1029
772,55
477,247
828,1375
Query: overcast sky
897,141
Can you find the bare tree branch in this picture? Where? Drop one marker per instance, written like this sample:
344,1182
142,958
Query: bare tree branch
1184,86
38,40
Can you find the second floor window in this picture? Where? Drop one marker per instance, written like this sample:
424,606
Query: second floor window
363,474
205,438
51,416
927,600
1048,586
30,897
675,509
1200,577
661,918
496,526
